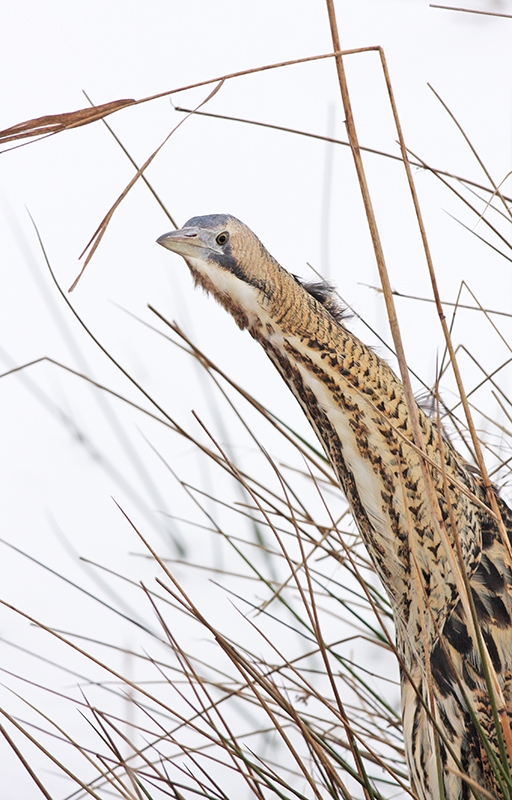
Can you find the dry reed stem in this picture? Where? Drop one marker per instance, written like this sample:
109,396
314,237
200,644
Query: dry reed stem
50,125
471,11
57,123
376,759
25,763
211,366
379,253
331,140
493,687
37,743
460,386
195,681
253,681
102,227
495,186
134,164
343,718
465,595
469,205
456,304
315,624
251,677
505,723
457,568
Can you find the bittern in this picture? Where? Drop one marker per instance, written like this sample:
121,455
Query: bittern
426,520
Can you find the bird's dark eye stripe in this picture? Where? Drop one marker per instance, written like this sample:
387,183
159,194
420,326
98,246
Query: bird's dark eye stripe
222,237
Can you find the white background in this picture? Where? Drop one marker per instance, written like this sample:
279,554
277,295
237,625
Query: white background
299,195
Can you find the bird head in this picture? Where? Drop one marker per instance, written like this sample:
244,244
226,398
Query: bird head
229,261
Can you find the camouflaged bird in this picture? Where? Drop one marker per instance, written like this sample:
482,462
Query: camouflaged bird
357,407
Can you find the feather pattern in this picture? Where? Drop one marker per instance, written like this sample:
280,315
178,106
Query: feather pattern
356,406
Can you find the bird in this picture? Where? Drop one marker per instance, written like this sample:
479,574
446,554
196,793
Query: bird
443,558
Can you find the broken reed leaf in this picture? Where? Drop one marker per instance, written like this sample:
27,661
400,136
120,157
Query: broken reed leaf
55,123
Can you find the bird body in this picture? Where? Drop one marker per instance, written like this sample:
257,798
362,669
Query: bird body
357,407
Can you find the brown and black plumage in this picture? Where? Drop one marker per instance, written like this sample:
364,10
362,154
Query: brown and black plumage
357,407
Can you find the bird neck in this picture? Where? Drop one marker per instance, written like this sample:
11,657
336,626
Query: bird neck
357,407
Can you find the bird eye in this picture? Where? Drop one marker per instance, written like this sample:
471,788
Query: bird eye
222,237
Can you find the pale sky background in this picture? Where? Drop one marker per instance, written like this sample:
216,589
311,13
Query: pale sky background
52,474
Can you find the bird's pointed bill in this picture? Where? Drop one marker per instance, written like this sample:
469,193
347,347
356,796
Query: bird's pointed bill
185,242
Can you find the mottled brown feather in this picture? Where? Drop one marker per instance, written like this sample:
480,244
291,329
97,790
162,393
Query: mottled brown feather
357,407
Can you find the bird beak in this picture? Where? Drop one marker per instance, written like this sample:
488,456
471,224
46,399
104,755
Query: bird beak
185,242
